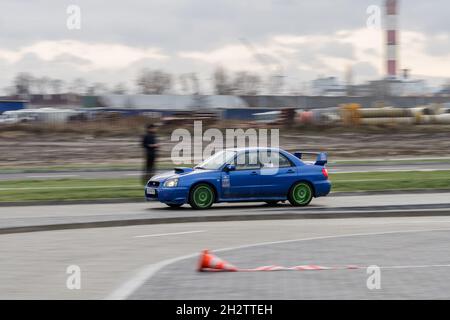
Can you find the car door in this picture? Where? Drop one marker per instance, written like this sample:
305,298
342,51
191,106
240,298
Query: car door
277,174
244,180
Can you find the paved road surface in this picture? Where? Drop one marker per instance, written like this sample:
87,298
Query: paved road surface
55,214
119,262
427,166
135,262
413,266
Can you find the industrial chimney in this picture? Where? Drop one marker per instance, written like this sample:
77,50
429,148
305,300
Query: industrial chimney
391,38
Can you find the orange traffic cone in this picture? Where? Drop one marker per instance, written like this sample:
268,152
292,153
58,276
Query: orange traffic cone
209,262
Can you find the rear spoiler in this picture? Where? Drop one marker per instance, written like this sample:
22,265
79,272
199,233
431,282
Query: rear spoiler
321,159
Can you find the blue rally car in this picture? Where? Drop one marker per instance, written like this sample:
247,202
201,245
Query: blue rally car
242,175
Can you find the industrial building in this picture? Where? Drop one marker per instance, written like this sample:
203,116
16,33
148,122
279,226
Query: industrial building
222,106
11,105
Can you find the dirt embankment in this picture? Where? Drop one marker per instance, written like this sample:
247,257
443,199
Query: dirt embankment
27,149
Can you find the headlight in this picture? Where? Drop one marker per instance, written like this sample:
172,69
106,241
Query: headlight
171,183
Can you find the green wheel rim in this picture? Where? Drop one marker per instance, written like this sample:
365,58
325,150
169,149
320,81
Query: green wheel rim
301,193
203,196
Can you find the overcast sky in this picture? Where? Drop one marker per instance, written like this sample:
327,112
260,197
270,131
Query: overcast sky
304,39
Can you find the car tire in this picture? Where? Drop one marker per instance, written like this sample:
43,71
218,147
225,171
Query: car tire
202,196
174,205
271,203
300,194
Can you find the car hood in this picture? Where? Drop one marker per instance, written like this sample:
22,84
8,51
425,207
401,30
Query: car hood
177,173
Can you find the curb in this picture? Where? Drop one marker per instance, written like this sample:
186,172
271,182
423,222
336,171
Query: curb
221,218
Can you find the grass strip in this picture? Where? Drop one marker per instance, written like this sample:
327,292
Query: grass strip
92,189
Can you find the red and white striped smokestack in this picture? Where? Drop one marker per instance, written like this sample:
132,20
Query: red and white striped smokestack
391,38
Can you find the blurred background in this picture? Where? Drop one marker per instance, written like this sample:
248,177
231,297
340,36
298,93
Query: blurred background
360,80
367,81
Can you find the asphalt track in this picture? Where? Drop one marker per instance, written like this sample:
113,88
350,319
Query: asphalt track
159,261
333,168
54,217
413,265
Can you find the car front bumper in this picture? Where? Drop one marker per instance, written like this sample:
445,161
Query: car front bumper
167,195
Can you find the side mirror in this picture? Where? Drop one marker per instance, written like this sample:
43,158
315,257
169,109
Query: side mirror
229,167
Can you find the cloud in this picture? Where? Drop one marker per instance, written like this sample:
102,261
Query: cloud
414,54
364,69
338,49
304,38
234,56
438,45
70,59
320,54
100,55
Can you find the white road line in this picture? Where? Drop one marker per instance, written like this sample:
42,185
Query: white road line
147,272
168,234
55,176
133,174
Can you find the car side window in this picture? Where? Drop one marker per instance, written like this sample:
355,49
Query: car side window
274,160
247,161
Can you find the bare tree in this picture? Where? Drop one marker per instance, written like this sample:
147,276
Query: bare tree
195,83
189,83
42,84
56,85
183,80
97,88
222,85
78,86
10,90
154,82
276,83
119,88
245,83
23,83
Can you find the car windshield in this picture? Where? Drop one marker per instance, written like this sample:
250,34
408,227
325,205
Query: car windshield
217,160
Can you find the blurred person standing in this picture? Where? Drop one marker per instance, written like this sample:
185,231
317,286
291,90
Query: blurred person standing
150,146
